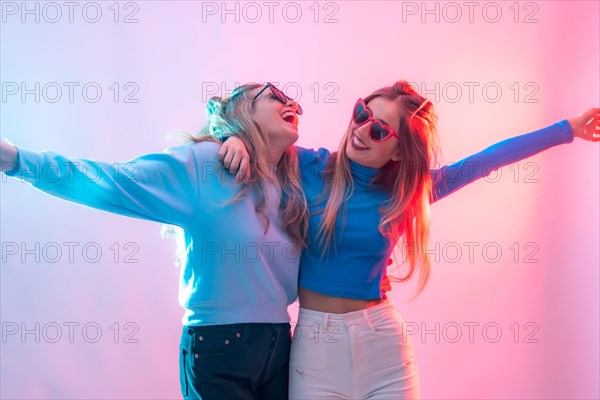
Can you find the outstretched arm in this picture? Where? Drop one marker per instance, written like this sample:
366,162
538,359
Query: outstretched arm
162,187
450,178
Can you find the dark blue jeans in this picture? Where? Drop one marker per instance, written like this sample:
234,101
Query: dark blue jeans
236,361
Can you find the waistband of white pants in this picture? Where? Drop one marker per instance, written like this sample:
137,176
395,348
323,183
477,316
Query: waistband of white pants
368,313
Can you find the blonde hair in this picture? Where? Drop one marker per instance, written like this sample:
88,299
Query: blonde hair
233,116
407,181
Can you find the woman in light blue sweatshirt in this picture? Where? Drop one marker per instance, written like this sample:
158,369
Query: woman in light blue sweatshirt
235,284
349,341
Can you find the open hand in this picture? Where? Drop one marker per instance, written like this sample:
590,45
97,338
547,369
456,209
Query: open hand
587,125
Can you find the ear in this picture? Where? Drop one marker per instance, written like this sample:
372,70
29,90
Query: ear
396,156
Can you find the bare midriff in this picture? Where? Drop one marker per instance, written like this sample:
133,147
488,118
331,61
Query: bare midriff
331,304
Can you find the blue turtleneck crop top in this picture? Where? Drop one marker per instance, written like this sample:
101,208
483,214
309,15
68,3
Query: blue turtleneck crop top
355,269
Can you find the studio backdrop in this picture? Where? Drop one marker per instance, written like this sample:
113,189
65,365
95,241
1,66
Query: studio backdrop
89,299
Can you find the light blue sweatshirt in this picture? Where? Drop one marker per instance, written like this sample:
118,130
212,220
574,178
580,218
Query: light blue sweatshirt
233,271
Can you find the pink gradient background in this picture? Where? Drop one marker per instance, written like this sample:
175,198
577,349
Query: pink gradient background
171,54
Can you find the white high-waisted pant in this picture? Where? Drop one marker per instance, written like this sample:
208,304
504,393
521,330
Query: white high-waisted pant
357,355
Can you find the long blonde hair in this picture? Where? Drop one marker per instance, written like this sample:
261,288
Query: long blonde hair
407,181
233,116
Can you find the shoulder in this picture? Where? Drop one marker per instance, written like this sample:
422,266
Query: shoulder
312,156
203,157
206,151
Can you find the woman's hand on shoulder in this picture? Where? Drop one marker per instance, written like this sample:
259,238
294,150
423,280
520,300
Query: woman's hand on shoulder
236,158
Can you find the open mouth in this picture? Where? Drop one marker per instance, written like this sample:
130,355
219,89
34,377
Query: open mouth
358,144
290,117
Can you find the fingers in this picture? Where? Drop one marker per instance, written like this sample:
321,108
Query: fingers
235,162
243,171
587,125
228,157
591,129
223,150
590,115
239,177
386,285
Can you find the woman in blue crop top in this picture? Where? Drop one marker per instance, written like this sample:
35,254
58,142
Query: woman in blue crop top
350,342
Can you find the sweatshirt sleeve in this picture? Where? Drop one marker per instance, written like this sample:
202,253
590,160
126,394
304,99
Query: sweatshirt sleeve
450,178
161,187
305,156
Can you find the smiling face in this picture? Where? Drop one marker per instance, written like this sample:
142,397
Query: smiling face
361,149
278,120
